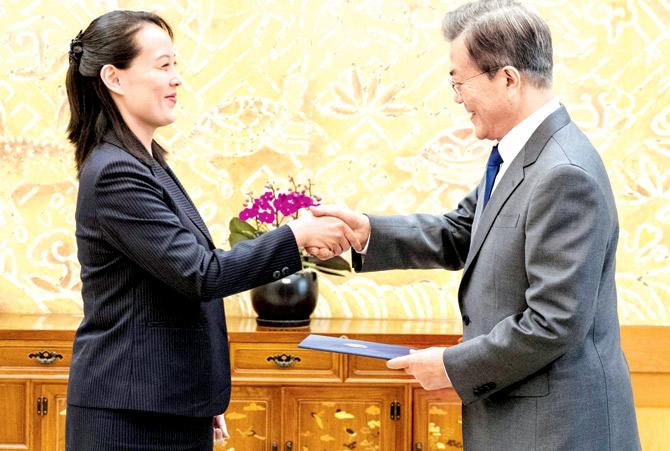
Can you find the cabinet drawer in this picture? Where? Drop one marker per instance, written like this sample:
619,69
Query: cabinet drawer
368,368
36,354
282,361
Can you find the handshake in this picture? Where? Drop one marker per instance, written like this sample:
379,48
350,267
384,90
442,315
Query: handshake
330,231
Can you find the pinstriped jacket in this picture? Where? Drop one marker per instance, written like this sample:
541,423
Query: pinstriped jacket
153,336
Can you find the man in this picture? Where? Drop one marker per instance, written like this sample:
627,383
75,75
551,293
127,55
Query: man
540,365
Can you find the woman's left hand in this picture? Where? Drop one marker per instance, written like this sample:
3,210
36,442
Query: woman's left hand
219,428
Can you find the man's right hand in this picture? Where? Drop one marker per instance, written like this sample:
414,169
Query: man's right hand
358,222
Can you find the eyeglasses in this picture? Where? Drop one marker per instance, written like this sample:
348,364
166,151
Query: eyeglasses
456,85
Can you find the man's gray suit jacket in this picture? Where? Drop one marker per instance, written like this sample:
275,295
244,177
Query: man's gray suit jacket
540,366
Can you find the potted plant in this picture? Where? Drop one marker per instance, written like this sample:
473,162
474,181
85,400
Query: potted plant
290,301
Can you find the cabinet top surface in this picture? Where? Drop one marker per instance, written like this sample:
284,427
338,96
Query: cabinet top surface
55,326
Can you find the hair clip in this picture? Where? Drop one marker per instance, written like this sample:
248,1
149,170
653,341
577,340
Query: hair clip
76,48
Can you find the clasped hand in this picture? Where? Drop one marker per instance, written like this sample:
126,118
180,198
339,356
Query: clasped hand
330,231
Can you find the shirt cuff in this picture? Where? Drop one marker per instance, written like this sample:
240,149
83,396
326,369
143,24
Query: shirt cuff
365,248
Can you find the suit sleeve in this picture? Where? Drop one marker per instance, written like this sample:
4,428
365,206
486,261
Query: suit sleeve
419,241
567,235
135,219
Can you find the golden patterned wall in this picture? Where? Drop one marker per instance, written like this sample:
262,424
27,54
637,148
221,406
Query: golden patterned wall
352,94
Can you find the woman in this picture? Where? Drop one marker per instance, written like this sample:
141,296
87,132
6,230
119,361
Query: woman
150,365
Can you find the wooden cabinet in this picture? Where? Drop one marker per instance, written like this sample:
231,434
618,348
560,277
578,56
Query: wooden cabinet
51,433
301,417
364,418
285,398
33,385
15,429
254,419
33,414
437,420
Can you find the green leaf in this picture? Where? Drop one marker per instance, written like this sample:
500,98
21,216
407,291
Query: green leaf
335,263
328,271
240,230
235,238
307,264
236,225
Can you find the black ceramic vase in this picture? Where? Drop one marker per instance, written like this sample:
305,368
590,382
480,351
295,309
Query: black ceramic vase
286,302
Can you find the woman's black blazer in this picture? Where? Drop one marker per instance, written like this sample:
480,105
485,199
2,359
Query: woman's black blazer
153,336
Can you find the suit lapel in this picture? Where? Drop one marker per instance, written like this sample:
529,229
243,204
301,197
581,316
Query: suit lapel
506,186
176,191
478,208
511,180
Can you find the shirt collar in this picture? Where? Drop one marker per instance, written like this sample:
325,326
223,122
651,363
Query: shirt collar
511,144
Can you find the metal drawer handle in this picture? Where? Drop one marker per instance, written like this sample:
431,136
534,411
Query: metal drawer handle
283,360
45,357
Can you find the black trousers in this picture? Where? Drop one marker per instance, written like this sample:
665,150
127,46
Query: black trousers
92,429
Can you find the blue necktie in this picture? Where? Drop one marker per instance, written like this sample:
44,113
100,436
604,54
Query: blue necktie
492,168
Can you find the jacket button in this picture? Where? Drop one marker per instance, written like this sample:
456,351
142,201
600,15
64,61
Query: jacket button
276,274
466,320
284,271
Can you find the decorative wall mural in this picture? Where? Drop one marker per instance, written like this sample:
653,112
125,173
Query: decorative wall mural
355,97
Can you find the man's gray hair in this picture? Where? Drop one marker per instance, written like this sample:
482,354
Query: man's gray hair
499,33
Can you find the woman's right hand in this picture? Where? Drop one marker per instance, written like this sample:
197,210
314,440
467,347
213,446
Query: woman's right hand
219,429
329,234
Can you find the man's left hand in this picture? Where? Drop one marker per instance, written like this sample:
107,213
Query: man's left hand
426,365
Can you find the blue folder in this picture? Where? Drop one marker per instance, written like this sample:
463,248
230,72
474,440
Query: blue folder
355,347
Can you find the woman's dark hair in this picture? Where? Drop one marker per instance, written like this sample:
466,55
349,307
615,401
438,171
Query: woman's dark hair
109,39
